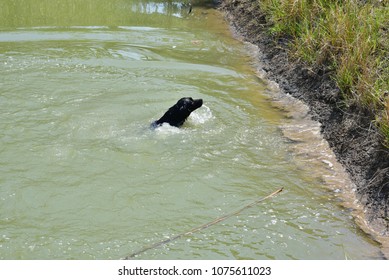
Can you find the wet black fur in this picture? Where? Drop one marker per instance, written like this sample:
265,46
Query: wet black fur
178,113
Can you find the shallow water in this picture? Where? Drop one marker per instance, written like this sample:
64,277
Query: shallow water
83,176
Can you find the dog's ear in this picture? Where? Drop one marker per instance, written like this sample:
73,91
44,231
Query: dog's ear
183,104
188,103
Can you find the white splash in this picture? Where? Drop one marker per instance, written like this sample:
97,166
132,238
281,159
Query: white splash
201,115
167,129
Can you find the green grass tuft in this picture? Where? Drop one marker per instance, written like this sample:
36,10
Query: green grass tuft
350,37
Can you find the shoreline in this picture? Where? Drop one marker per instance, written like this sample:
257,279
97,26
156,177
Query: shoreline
349,131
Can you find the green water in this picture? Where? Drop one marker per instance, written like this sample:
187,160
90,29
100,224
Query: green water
83,177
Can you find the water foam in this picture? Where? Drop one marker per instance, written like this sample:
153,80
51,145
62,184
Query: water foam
167,129
201,115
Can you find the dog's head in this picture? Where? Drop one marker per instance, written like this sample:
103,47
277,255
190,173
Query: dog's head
188,104
177,114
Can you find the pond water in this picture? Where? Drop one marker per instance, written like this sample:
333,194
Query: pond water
82,176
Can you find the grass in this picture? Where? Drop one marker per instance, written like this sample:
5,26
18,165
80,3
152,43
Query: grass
350,38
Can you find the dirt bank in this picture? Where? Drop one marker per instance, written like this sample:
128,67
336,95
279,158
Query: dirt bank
347,128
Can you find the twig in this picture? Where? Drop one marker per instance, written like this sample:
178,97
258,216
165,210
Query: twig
204,226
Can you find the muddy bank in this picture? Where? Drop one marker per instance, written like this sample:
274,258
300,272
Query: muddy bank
348,129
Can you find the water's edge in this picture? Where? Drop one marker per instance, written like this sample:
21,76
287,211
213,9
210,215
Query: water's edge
369,211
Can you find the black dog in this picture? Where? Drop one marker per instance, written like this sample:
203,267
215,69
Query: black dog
177,114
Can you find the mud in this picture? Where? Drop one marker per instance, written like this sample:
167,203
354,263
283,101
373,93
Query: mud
348,129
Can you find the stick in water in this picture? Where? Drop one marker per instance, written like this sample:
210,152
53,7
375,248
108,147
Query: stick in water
204,226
